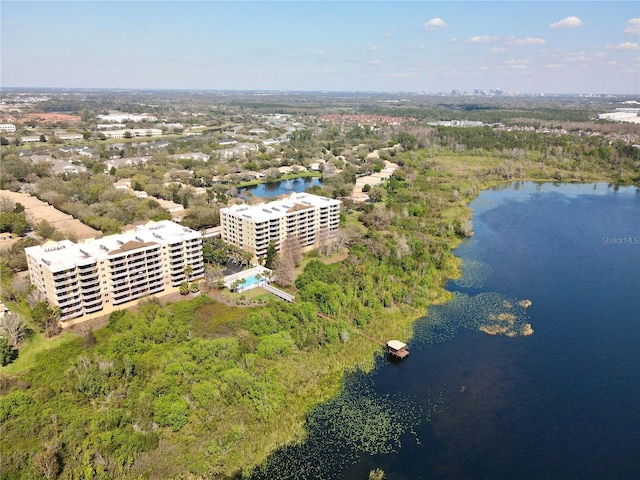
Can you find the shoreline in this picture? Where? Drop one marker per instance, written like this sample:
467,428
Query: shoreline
330,363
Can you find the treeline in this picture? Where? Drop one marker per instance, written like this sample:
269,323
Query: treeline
575,155
497,111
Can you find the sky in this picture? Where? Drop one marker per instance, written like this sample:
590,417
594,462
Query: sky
383,46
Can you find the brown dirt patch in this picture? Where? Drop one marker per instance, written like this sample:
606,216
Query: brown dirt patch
49,117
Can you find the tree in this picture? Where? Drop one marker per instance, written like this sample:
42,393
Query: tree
6,352
13,222
46,318
272,253
43,138
45,229
284,269
188,271
406,140
15,327
184,288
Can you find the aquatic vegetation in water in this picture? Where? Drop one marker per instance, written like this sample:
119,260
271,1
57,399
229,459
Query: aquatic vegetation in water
475,274
491,313
524,303
358,421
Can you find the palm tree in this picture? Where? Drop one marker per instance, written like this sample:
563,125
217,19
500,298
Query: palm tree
188,271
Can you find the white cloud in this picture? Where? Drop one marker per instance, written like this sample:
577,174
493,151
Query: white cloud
554,65
434,24
569,22
515,63
525,41
499,50
576,57
482,39
624,46
374,48
633,26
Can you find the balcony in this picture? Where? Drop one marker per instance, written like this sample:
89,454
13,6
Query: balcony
91,299
89,282
61,281
90,290
97,308
65,290
156,289
64,273
67,306
119,300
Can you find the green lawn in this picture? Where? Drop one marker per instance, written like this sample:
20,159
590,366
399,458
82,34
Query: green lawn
31,348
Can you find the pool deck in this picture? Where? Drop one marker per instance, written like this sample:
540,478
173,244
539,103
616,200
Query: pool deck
252,272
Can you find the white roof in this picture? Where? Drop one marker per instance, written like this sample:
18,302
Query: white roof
278,208
66,254
396,344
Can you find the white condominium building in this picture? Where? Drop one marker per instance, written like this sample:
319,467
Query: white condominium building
310,218
83,278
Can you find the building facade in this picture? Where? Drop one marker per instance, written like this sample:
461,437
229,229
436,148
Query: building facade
133,132
311,219
84,278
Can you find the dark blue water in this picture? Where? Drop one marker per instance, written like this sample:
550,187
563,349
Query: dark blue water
562,403
284,187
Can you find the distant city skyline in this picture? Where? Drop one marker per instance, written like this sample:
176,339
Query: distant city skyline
384,46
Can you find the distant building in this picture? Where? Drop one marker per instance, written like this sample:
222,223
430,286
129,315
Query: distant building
69,136
309,218
32,139
7,127
84,278
124,162
629,115
197,156
134,132
124,117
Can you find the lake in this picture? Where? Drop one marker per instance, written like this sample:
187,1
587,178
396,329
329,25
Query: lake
561,403
284,187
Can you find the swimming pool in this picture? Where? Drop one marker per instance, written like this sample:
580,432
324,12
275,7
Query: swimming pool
249,279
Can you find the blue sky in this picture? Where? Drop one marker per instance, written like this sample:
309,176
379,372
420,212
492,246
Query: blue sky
393,46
